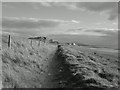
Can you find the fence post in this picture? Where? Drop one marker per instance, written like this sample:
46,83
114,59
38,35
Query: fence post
31,42
9,41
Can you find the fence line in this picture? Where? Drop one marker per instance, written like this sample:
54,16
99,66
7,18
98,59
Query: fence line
31,42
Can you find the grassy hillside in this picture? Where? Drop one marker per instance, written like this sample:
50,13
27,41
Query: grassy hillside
22,63
46,66
90,69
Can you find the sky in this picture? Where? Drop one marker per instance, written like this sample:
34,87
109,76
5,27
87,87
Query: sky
50,17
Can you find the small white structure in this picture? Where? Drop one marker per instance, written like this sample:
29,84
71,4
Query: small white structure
73,43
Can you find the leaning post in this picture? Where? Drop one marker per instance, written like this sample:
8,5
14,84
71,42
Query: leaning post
9,41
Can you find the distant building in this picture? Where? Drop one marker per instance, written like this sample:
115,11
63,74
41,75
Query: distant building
73,43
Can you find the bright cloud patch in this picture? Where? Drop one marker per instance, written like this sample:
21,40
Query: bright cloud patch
28,23
31,23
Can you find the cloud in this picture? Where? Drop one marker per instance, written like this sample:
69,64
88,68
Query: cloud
60,1
111,8
74,21
28,23
29,26
76,30
32,23
108,32
97,6
102,31
45,4
95,29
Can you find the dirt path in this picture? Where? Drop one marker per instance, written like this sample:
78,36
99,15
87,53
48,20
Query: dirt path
47,74
56,74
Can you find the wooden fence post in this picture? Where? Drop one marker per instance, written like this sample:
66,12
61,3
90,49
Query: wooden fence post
9,41
31,42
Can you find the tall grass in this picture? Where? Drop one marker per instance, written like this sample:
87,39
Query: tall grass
21,63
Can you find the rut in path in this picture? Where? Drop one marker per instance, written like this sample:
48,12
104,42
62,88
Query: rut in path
57,75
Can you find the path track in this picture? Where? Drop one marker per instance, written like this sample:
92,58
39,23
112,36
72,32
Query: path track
56,75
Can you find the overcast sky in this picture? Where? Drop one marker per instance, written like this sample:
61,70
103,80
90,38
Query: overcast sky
95,18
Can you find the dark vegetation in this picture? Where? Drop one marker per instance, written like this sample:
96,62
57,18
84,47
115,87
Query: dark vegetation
87,71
